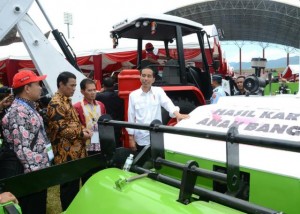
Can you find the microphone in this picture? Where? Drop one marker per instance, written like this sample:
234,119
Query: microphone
45,99
46,96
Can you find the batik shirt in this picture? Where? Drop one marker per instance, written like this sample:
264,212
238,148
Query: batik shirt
24,132
65,130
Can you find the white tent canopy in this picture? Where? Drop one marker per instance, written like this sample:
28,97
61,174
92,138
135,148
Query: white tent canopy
295,69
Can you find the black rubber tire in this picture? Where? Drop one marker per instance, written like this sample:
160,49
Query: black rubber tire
185,105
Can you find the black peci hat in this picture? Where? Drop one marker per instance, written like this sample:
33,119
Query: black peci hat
108,82
217,78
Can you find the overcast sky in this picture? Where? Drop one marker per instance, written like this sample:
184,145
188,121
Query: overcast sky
93,20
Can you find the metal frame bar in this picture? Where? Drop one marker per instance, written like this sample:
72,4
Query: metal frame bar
217,197
232,162
188,182
22,185
287,145
191,170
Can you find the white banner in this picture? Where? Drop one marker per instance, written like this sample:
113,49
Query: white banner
271,117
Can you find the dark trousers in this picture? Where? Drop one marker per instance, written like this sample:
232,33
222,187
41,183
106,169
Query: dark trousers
139,148
34,203
148,164
68,192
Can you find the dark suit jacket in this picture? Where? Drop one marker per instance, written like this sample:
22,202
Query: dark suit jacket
114,106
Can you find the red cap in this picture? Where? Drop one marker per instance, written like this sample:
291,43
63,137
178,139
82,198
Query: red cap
149,46
25,77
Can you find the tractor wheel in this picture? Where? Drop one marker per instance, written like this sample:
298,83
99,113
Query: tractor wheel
185,105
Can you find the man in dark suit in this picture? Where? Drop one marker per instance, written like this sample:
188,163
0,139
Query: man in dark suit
114,105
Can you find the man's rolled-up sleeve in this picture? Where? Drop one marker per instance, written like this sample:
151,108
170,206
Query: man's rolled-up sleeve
167,104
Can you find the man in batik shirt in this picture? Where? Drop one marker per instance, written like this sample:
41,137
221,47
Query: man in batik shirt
66,132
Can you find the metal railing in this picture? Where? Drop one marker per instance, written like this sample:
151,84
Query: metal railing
190,170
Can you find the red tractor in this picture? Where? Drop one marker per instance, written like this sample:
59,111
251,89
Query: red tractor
185,77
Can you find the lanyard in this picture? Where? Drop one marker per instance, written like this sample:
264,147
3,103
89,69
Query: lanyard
92,110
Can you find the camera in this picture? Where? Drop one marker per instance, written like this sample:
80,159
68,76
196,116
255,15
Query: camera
6,90
255,85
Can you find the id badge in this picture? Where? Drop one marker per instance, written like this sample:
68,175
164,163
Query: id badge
49,152
95,138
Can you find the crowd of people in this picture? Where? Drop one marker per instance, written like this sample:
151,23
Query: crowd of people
218,90
71,131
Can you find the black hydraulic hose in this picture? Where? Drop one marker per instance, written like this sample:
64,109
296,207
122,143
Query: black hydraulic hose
60,39
66,48
211,54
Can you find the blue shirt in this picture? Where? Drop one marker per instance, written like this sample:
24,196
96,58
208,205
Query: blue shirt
217,93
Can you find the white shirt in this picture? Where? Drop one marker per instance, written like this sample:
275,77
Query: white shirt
144,107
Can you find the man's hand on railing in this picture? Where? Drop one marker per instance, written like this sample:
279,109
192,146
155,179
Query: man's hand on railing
132,143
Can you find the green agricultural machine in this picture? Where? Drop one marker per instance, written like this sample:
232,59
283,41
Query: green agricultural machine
238,156
232,157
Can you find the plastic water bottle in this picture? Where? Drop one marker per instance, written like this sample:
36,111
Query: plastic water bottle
128,163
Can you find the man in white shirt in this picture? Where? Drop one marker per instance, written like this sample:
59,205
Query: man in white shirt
145,106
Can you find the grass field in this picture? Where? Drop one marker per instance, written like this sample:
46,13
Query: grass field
293,88
53,200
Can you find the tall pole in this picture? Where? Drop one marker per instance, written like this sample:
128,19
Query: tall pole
264,58
264,45
68,20
68,25
240,44
288,50
240,60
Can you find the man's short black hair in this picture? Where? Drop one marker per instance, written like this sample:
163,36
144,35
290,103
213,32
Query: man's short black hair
108,82
84,82
17,91
64,77
148,67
